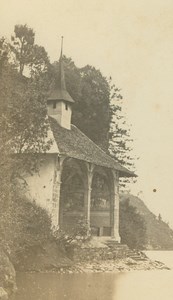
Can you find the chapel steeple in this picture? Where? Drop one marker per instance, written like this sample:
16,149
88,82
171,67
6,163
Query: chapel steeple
60,102
61,68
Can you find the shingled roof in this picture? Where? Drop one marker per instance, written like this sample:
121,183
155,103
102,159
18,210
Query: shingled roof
75,144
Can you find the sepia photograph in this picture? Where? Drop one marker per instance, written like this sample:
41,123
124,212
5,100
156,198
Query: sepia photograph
86,143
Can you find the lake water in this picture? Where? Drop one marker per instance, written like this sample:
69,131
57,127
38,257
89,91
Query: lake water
134,285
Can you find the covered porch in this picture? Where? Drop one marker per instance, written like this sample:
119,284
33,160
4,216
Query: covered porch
87,196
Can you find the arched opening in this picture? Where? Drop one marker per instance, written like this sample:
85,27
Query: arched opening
71,196
101,204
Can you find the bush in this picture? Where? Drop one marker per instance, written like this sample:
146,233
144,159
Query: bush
68,240
25,229
23,225
132,226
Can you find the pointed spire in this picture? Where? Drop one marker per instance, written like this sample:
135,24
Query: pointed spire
60,92
61,82
61,46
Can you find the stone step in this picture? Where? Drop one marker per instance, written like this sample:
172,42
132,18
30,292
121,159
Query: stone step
116,245
137,255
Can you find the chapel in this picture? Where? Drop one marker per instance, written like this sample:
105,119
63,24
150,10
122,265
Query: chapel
78,181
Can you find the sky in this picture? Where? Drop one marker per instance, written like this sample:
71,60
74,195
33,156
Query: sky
132,41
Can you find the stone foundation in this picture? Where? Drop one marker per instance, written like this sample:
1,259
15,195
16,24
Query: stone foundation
99,250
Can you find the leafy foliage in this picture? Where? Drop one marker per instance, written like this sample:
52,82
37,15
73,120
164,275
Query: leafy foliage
23,114
23,129
23,42
23,225
94,106
71,238
120,142
132,226
27,53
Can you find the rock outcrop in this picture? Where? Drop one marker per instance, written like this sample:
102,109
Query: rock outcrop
7,276
3,294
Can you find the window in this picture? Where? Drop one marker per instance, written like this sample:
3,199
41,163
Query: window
66,106
54,104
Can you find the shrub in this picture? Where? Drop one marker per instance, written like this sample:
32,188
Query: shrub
132,226
23,225
69,239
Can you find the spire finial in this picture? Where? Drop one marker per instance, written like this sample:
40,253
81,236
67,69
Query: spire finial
61,45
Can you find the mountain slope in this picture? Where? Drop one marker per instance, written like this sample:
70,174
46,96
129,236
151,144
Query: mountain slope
158,233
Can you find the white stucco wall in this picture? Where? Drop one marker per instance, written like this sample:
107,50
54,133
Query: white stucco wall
66,116
40,185
60,113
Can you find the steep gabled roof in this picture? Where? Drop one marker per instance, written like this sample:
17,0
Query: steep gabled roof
75,144
59,94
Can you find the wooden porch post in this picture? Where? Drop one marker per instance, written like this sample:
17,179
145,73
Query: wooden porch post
115,207
87,198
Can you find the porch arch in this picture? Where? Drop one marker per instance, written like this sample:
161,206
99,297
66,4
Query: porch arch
72,195
82,201
101,202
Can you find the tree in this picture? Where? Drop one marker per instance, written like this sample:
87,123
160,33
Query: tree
4,52
132,226
23,123
95,106
120,141
23,119
23,129
27,53
40,61
22,45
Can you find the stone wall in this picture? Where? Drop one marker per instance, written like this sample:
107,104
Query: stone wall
100,253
